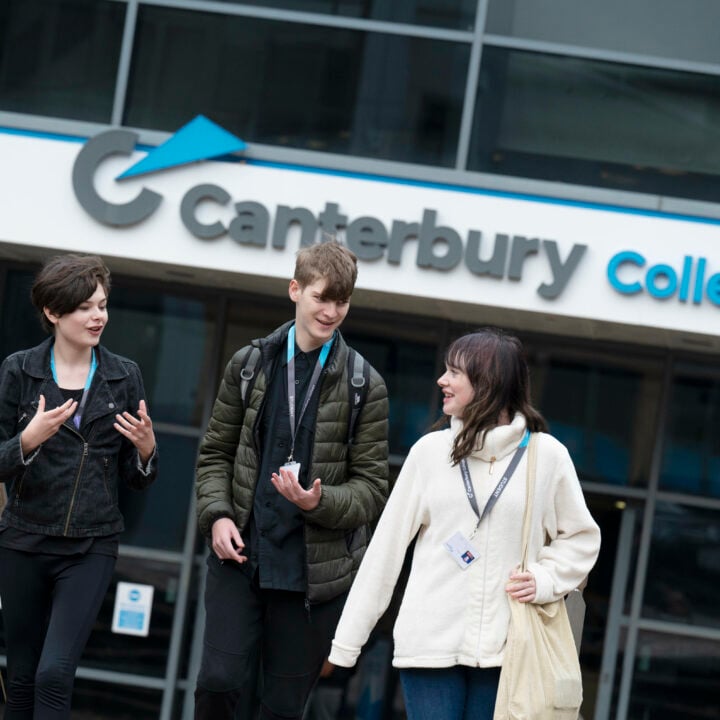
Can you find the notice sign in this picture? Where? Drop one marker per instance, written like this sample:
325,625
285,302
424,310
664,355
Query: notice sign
133,605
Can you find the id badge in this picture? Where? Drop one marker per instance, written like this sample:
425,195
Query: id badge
463,552
293,467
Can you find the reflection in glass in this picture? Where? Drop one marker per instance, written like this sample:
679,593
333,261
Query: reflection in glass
60,57
675,677
597,123
157,516
169,337
600,414
302,86
130,653
683,578
455,14
691,453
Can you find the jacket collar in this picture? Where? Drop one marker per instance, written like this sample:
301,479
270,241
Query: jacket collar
500,441
273,344
37,362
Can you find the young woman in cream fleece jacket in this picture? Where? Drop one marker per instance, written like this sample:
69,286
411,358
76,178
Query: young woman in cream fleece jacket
452,624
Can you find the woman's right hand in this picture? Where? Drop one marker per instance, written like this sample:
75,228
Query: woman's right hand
45,424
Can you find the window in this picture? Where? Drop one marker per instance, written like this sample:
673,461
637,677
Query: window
60,57
300,86
605,124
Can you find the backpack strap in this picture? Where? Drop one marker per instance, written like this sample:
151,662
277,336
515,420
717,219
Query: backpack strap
358,383
248,373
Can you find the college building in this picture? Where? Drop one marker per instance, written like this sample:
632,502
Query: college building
549,168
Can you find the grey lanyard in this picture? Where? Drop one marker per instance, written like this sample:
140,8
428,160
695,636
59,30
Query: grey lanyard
497,492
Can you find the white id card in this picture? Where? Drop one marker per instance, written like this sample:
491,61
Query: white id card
463,552
293,467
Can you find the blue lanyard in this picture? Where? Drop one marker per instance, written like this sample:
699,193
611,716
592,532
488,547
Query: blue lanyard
81,407
291,383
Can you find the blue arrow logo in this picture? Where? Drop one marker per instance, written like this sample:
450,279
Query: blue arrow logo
200,139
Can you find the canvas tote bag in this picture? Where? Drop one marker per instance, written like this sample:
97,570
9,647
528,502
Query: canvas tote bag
540,676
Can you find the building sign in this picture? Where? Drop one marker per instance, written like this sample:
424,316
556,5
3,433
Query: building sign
422,248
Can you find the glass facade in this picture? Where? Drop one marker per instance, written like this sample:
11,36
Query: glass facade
621,97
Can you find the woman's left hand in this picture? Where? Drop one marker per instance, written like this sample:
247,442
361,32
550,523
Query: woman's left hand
138,430
521,586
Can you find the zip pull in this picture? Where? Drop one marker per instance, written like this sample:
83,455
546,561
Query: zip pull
492,464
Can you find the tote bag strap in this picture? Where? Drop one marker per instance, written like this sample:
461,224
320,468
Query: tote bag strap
529,495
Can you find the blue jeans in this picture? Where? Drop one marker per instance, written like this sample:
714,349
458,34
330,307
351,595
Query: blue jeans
454,693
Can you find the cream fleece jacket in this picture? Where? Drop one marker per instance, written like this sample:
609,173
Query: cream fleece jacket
451,616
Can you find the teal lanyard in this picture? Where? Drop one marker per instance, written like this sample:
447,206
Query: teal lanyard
291,383
81,407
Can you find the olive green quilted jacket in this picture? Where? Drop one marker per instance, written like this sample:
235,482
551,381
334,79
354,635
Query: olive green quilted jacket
354,478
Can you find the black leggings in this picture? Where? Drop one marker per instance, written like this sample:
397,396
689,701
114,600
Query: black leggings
49,605
249,631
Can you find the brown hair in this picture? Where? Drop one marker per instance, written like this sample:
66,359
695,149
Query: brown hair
66,281
330,261
495,364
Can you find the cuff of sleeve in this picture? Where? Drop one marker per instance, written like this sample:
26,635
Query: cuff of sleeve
543,584
147,469
27,460
343,656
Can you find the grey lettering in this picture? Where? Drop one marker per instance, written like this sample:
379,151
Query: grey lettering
561,271
285,217
495,266
430,237
331,221
401,231
521,249
95,150
193,197
367,237
250,226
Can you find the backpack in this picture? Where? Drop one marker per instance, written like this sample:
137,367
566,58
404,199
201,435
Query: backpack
358,374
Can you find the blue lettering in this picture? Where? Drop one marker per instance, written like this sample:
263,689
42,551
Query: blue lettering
670,283
621,258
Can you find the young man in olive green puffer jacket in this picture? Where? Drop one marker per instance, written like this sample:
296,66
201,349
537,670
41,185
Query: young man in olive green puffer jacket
286,498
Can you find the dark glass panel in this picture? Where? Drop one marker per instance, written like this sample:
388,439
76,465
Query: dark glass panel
691,457
157,516
683,577
60,57
130,653
170,337
600,414
597,123
301,86
19,323
94,700
454,14
675,677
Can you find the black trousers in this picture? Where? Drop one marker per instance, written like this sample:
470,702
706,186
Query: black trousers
49,605
263,649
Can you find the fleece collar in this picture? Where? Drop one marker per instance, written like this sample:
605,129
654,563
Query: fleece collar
500,441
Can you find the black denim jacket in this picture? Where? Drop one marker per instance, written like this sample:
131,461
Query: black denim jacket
69,485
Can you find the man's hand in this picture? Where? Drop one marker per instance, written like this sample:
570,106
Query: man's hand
45,424
287,484
226,541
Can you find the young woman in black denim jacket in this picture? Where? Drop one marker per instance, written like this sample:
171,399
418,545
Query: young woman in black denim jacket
73,421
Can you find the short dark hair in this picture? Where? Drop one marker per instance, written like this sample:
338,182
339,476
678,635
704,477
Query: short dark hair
330,261
495,364
66,281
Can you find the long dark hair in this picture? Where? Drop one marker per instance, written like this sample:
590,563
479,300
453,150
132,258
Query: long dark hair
495,364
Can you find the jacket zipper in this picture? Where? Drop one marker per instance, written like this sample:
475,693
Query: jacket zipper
77,482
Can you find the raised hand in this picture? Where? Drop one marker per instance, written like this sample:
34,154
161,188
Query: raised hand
138,430
45,424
